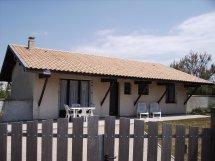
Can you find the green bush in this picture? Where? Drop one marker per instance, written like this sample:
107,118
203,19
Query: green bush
203,90
212,104
4,91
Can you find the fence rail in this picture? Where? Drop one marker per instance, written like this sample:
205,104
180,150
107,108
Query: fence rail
102,147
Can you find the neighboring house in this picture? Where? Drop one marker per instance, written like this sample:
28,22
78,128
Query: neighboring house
48,79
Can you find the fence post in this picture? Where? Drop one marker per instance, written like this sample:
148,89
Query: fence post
213,133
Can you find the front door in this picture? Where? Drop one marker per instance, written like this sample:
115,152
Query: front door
114,99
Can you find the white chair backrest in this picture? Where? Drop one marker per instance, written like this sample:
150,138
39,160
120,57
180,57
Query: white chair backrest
141,107
154,107
66,108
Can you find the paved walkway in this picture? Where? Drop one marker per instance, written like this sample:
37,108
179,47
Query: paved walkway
171,118
163,118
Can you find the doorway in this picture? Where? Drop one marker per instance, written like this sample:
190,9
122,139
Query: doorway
114,100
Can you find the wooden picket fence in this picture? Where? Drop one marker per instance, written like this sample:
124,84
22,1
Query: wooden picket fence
101,147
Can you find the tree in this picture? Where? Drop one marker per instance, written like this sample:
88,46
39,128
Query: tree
212,78
213,69
196,64
4,91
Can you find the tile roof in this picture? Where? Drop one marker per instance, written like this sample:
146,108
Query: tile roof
38,58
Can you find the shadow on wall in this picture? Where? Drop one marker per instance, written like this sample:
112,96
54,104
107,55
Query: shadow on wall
16,110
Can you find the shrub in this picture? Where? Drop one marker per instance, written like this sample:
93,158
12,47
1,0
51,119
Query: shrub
200,111
212,104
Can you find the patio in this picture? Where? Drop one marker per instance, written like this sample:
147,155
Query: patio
174,117
163,118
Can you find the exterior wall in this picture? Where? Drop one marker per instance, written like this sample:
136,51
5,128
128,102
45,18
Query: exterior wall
198,101
49,107
14,110
21,84
178,107
19,107
155,92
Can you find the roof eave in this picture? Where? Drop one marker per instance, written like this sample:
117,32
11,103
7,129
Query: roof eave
115,76
18,56
9,62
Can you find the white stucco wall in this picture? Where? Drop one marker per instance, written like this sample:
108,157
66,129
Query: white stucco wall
178,107
50,104
22,84
49,107
155,92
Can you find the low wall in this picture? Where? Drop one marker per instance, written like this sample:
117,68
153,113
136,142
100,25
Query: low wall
198,101
14,110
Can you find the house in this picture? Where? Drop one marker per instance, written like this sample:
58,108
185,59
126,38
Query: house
43,80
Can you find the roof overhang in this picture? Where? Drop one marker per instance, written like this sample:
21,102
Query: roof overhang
10,59
8,65
187,83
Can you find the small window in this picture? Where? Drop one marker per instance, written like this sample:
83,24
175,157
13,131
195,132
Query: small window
143,89
127,88
170,94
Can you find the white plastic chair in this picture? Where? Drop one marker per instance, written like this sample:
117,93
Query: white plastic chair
90,112
68,111
155,109
142,109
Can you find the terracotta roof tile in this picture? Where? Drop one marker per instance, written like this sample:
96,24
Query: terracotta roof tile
38,58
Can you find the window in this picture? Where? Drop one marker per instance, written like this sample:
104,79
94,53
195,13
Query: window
74,92
170,94
143,89
127,88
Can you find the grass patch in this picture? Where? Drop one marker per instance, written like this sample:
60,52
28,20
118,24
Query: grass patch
201,123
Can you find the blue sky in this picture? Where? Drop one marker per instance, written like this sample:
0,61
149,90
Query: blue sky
149,30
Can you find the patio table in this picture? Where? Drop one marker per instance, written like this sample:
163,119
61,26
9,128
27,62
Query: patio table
83,111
